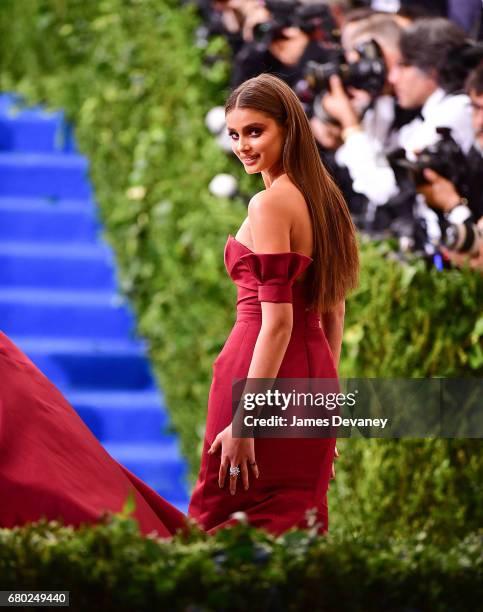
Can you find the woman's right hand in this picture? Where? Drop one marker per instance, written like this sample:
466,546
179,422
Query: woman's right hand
234,452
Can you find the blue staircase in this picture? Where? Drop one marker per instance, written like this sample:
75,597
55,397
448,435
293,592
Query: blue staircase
59,299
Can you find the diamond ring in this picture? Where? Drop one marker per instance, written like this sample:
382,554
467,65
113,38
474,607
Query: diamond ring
234,471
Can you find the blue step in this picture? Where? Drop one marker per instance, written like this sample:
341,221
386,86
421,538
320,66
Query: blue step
21,133
182,503
33,131
74,266
159,464
7,100
79,314
61,221
111,413
44,175
44,203
81,364
59,300
12,103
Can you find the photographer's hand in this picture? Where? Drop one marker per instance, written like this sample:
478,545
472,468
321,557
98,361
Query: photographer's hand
290,49
259,14
360,100
338,105
326,133
440,193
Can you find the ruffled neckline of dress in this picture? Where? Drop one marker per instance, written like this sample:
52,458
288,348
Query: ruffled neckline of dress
280,253
257,271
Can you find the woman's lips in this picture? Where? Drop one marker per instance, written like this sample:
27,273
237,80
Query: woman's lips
249,161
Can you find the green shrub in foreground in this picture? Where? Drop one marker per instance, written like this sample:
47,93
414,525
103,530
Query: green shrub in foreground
111,567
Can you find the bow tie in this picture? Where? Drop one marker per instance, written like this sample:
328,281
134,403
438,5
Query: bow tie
418,114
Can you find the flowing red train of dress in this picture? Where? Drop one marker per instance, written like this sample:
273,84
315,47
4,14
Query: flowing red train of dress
294,472
52,466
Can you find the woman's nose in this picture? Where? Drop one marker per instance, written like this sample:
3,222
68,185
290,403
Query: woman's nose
242,145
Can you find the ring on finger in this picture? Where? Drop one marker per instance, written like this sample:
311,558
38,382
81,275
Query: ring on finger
234,471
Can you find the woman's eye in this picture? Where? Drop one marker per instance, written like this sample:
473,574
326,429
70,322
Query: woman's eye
254,132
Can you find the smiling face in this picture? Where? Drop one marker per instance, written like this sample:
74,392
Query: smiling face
256,139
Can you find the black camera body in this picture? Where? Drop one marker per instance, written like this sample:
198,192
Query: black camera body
447,159
367,73
310,18
266,32
444,157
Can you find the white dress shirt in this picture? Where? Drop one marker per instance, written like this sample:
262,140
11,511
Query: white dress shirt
364,152
439,110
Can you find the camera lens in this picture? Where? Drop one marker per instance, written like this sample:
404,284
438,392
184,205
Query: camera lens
462,237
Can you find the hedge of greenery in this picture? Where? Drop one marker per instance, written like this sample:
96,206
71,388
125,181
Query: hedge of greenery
110,567
135,86
407,321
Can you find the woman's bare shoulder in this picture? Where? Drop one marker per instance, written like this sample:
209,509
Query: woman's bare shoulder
282,198
269,206
279,220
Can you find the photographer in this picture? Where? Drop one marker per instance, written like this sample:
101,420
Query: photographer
440,193
282,38
235,19
424,72
429,73
369,133
443,195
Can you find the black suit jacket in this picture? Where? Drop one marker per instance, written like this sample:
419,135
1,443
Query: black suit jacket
475,194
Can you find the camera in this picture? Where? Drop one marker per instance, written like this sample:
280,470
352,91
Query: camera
367,73
266,32
444,157
463,237
314,19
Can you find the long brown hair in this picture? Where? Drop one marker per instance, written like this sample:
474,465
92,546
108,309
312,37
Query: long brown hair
335,269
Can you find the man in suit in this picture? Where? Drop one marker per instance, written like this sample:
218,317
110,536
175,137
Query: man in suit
440,193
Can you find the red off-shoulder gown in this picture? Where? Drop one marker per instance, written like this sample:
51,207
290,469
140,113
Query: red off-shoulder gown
52,466
294,472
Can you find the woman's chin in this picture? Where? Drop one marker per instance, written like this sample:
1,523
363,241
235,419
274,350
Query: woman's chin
253,169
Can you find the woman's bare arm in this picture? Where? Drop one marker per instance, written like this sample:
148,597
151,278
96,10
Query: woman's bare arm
333,324
270,225
270,229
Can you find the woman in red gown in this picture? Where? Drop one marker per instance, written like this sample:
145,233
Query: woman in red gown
294,257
